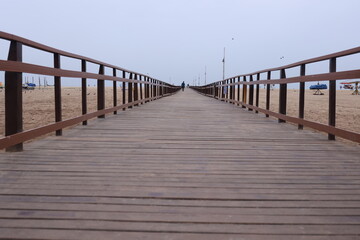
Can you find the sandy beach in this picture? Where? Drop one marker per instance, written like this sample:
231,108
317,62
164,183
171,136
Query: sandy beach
39,106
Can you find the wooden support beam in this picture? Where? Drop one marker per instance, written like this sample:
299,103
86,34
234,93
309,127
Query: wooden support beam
251,93
57,89
114,91
83,91
268,87
13,97
124,90
302,96
332,98
101,92
257,92
282,96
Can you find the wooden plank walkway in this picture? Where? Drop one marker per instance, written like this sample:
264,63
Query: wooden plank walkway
182,167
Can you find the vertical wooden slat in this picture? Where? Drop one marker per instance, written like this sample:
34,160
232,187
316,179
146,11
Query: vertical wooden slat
57,89
215,90
154,88
13,97
332,98
136,90
238,90
282,96
301,96
257,92
83,91
227,90
130,90
151,88
101,92
222,91
114,91
146,85
251,92
234,89
124,90
268,93
141,89
244,97
231,89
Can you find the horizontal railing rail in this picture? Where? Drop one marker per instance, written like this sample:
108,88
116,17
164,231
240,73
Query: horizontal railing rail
241,90
141,88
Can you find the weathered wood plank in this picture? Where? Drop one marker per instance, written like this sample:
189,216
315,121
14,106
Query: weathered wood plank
184,167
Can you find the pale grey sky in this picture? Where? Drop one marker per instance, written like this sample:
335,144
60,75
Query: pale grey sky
174,40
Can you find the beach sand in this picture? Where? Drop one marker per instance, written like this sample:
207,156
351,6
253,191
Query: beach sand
39,106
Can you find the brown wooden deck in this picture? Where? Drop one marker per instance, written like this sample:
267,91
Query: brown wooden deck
183,167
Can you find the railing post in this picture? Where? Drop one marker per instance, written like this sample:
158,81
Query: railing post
160,89
13,97
234,90
136,90
227,91
282,96
124,90
130,90
141,89
231,89
251,93
332,98
257,92
238,91
268,86
151,88
155,88
83,91
101,92
222,88
57,89
244,96
146,88
114,91
301,96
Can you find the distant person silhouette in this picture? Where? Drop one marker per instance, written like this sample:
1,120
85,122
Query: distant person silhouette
183,86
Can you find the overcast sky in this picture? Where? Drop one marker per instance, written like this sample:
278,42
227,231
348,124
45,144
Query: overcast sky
174,40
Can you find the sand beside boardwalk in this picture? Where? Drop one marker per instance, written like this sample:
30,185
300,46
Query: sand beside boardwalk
316,107
39,106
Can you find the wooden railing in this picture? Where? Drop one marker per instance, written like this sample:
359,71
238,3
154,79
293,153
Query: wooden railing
240,90
141,89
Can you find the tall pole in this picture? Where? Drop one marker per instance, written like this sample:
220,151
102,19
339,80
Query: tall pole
224,65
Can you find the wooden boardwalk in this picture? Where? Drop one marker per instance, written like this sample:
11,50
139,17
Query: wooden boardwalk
182,167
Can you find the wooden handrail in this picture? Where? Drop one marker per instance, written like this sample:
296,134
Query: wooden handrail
14,67
36,45
225,90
